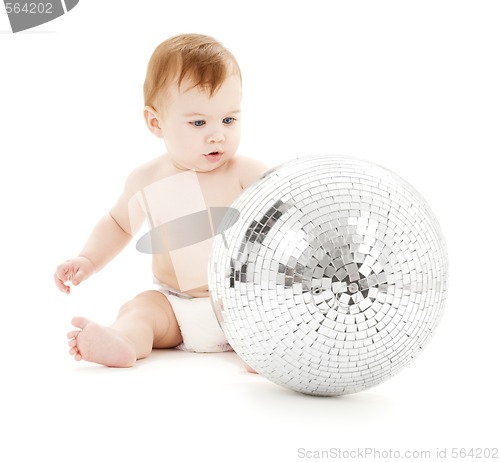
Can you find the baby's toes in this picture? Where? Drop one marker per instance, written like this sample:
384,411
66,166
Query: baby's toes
73,334
75,353
73,349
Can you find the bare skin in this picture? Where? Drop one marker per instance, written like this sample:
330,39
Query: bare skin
144,323
148,321
100,344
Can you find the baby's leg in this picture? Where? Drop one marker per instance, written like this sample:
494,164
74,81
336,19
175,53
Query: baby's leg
144,323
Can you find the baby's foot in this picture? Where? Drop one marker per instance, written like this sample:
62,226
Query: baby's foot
99,344
250,369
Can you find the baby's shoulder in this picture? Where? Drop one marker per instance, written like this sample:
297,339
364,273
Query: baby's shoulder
249,169
149,173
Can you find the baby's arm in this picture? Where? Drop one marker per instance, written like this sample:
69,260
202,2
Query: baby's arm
109,237
105,242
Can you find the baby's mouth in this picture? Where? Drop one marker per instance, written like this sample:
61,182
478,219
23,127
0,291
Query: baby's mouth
214,155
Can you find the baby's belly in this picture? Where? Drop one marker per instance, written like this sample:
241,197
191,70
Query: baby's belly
187,275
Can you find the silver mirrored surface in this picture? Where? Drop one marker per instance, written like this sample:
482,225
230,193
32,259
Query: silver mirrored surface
333,278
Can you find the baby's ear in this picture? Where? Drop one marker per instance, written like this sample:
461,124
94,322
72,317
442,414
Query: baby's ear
153,121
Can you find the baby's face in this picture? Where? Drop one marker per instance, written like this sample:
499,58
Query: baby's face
202,132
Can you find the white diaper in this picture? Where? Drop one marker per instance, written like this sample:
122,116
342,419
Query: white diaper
201,332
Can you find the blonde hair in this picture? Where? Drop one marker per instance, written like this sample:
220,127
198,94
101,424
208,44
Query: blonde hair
198,58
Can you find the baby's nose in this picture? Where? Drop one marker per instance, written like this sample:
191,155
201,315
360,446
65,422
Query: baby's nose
216,137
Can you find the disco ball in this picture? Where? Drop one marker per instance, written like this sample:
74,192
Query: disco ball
333,277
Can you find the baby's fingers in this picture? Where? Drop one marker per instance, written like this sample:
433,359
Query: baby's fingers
60,284
79,276
63,273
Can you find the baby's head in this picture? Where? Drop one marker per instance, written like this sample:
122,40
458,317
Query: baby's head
192,94
199,59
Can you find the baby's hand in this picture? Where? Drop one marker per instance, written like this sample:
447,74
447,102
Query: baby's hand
75,270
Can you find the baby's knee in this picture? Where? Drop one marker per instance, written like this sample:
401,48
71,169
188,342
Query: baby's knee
129,308
148,300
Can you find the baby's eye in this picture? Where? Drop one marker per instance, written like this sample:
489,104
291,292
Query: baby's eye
228,120
198,123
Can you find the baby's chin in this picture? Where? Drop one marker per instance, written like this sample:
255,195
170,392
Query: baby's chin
203,164
208,169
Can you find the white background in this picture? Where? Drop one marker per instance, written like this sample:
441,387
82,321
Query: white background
413,86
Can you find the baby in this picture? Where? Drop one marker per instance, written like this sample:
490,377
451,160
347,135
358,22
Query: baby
192,95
